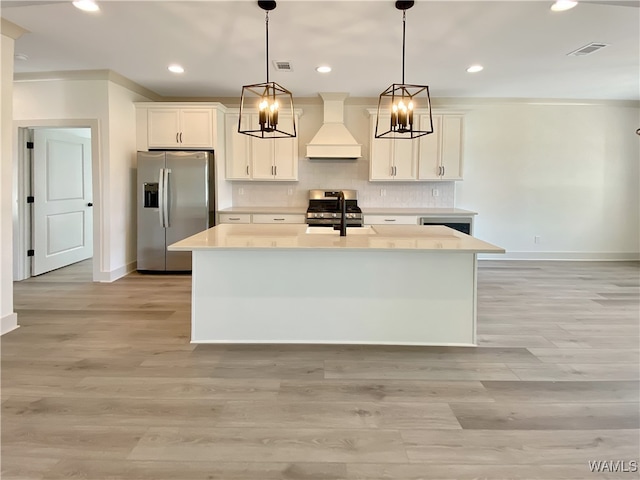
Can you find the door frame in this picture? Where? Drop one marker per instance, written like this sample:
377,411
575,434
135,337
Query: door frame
21,185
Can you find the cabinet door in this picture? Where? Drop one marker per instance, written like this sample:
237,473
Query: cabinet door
390,220
404,159
235,218
451,156
238,150
279,218
286,159
163,127
430,148
286,152
262,158
380,154
196,128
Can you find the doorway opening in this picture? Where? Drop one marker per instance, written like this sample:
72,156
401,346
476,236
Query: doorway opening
55,225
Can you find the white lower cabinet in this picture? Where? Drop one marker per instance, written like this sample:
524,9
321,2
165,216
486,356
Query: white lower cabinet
275,218
251,158
235,218
272,218
390,220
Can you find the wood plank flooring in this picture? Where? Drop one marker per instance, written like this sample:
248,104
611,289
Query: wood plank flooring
100,382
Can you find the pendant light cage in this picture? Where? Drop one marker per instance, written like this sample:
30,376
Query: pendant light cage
397,115
266,109
259,119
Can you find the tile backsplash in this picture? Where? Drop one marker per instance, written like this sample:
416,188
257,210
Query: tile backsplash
342,174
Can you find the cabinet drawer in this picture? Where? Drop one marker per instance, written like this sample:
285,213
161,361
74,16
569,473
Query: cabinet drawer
235,218
275,218
390,220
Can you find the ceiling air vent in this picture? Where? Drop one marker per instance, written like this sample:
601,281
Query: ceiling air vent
587,49
283,66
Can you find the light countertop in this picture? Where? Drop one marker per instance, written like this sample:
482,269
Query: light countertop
295,236
424,211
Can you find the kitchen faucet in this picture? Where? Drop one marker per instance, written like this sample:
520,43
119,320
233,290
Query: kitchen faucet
342,208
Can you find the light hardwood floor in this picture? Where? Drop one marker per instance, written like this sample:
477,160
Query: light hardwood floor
101,382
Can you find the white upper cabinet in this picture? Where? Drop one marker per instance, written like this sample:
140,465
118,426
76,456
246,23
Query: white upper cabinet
440,156
391,159
174,126
238,150
251,158
437,156
186,128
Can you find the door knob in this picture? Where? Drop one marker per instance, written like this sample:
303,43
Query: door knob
89,204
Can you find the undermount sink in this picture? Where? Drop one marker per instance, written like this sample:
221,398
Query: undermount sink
366,230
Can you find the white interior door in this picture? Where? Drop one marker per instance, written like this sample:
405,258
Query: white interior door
62,210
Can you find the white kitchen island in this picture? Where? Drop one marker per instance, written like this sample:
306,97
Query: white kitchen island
399,285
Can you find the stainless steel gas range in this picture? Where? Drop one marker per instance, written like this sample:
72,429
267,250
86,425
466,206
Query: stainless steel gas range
323,208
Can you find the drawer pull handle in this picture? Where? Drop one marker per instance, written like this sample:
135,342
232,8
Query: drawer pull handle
234,218
279,219
389,219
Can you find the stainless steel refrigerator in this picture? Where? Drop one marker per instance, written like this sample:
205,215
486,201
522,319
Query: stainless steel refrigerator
175,200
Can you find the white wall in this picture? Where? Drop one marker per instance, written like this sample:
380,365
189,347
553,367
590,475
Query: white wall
111,105
8,318
122,174
566,173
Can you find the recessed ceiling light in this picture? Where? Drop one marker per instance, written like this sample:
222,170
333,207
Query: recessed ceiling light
475,68
323,69
176,69
562,5
86,5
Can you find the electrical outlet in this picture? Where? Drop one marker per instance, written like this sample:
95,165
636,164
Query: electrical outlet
290,191
241,191
383,192
536,239
435,192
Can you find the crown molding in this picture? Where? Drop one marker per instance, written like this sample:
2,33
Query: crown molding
71,75
11,30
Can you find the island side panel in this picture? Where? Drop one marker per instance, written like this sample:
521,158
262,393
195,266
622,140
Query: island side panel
331,296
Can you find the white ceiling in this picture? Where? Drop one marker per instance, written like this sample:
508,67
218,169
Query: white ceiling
522,45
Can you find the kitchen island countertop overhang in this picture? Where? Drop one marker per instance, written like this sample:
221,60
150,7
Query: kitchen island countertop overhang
294,236
397,285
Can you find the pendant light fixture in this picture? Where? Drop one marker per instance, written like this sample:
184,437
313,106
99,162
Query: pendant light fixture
398,102
266,109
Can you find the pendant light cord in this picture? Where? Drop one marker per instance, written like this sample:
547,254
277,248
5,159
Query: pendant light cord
266,25
404,28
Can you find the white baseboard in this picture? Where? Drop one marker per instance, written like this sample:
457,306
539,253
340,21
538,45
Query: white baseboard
113,275
567,256
8,323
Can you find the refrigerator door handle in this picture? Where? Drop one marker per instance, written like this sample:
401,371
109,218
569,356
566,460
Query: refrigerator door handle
165,198
161,197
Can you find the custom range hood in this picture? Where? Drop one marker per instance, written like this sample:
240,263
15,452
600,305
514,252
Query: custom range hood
333,140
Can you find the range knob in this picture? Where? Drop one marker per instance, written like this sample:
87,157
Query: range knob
334,215
316,215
